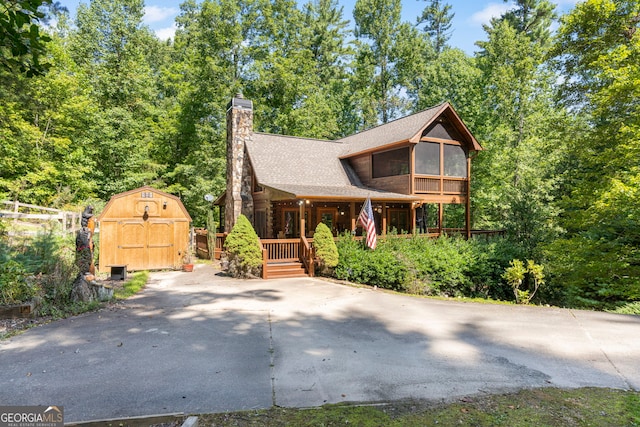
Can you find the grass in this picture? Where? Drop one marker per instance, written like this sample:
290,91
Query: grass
133,286
628,308
536,407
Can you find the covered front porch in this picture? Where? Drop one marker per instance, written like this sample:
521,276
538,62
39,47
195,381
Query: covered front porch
299,217
286,226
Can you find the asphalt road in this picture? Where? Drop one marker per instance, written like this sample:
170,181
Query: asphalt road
198,342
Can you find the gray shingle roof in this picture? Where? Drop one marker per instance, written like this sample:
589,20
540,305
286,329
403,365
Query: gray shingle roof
305,167
310,168
402,129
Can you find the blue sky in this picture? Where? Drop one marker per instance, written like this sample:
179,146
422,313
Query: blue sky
469,17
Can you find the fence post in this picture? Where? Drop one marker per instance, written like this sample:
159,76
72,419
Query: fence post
15,210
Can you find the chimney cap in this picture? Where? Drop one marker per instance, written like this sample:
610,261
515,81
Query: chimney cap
238,101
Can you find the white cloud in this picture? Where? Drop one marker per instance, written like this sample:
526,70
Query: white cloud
492,10
157,14
166,33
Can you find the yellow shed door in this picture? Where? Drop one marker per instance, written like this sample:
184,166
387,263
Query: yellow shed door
145,245
160,245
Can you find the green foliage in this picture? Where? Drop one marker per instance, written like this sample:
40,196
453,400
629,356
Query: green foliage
437,18
594,273
47,260
517,275
325,246
444,267
597,261
14,287
243,248
376,268
22,42
628,308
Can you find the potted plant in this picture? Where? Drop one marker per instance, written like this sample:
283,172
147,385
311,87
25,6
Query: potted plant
187,264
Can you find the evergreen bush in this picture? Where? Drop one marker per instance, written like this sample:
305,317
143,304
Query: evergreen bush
377,267
243,250
326,249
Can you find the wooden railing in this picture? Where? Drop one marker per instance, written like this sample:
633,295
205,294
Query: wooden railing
307,255
440,185
284,250
202,244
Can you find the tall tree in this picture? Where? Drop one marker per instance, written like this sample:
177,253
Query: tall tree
514,176
437,17
110,45
533,18
44,124
325,34
598,53
381,41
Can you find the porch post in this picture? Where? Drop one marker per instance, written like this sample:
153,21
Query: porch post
413,218
352,213
302,221
384,218
440,217
468,202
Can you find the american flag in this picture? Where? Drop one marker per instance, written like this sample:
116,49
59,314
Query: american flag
367,221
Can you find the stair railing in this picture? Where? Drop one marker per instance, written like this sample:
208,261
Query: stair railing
307,255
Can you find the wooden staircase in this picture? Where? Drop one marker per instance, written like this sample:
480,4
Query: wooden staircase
287,258
279,270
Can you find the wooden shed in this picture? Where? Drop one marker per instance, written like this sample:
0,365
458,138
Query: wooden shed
143,229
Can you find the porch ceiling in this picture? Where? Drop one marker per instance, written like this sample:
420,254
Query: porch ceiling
340,193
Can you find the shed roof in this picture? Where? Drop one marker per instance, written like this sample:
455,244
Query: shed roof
115,197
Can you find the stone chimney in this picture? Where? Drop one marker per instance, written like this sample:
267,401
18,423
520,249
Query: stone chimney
239,130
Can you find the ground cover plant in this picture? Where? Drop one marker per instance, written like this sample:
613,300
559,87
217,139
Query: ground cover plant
538,407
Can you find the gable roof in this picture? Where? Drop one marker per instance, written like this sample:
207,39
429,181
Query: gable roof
314,168
308,168
405,129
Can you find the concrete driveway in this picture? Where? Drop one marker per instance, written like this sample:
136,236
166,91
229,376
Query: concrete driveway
198,342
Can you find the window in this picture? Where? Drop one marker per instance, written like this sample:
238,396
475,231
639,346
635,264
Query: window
455,161
391,163
427,158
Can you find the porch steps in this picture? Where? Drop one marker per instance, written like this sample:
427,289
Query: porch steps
285,269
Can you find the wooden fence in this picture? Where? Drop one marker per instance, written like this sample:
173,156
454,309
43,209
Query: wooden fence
26,213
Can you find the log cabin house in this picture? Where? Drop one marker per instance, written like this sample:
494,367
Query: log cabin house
412,169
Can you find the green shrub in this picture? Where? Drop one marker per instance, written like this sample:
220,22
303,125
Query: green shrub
243,249
594,273
326,249
440,264
14,287
531,276
376,268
